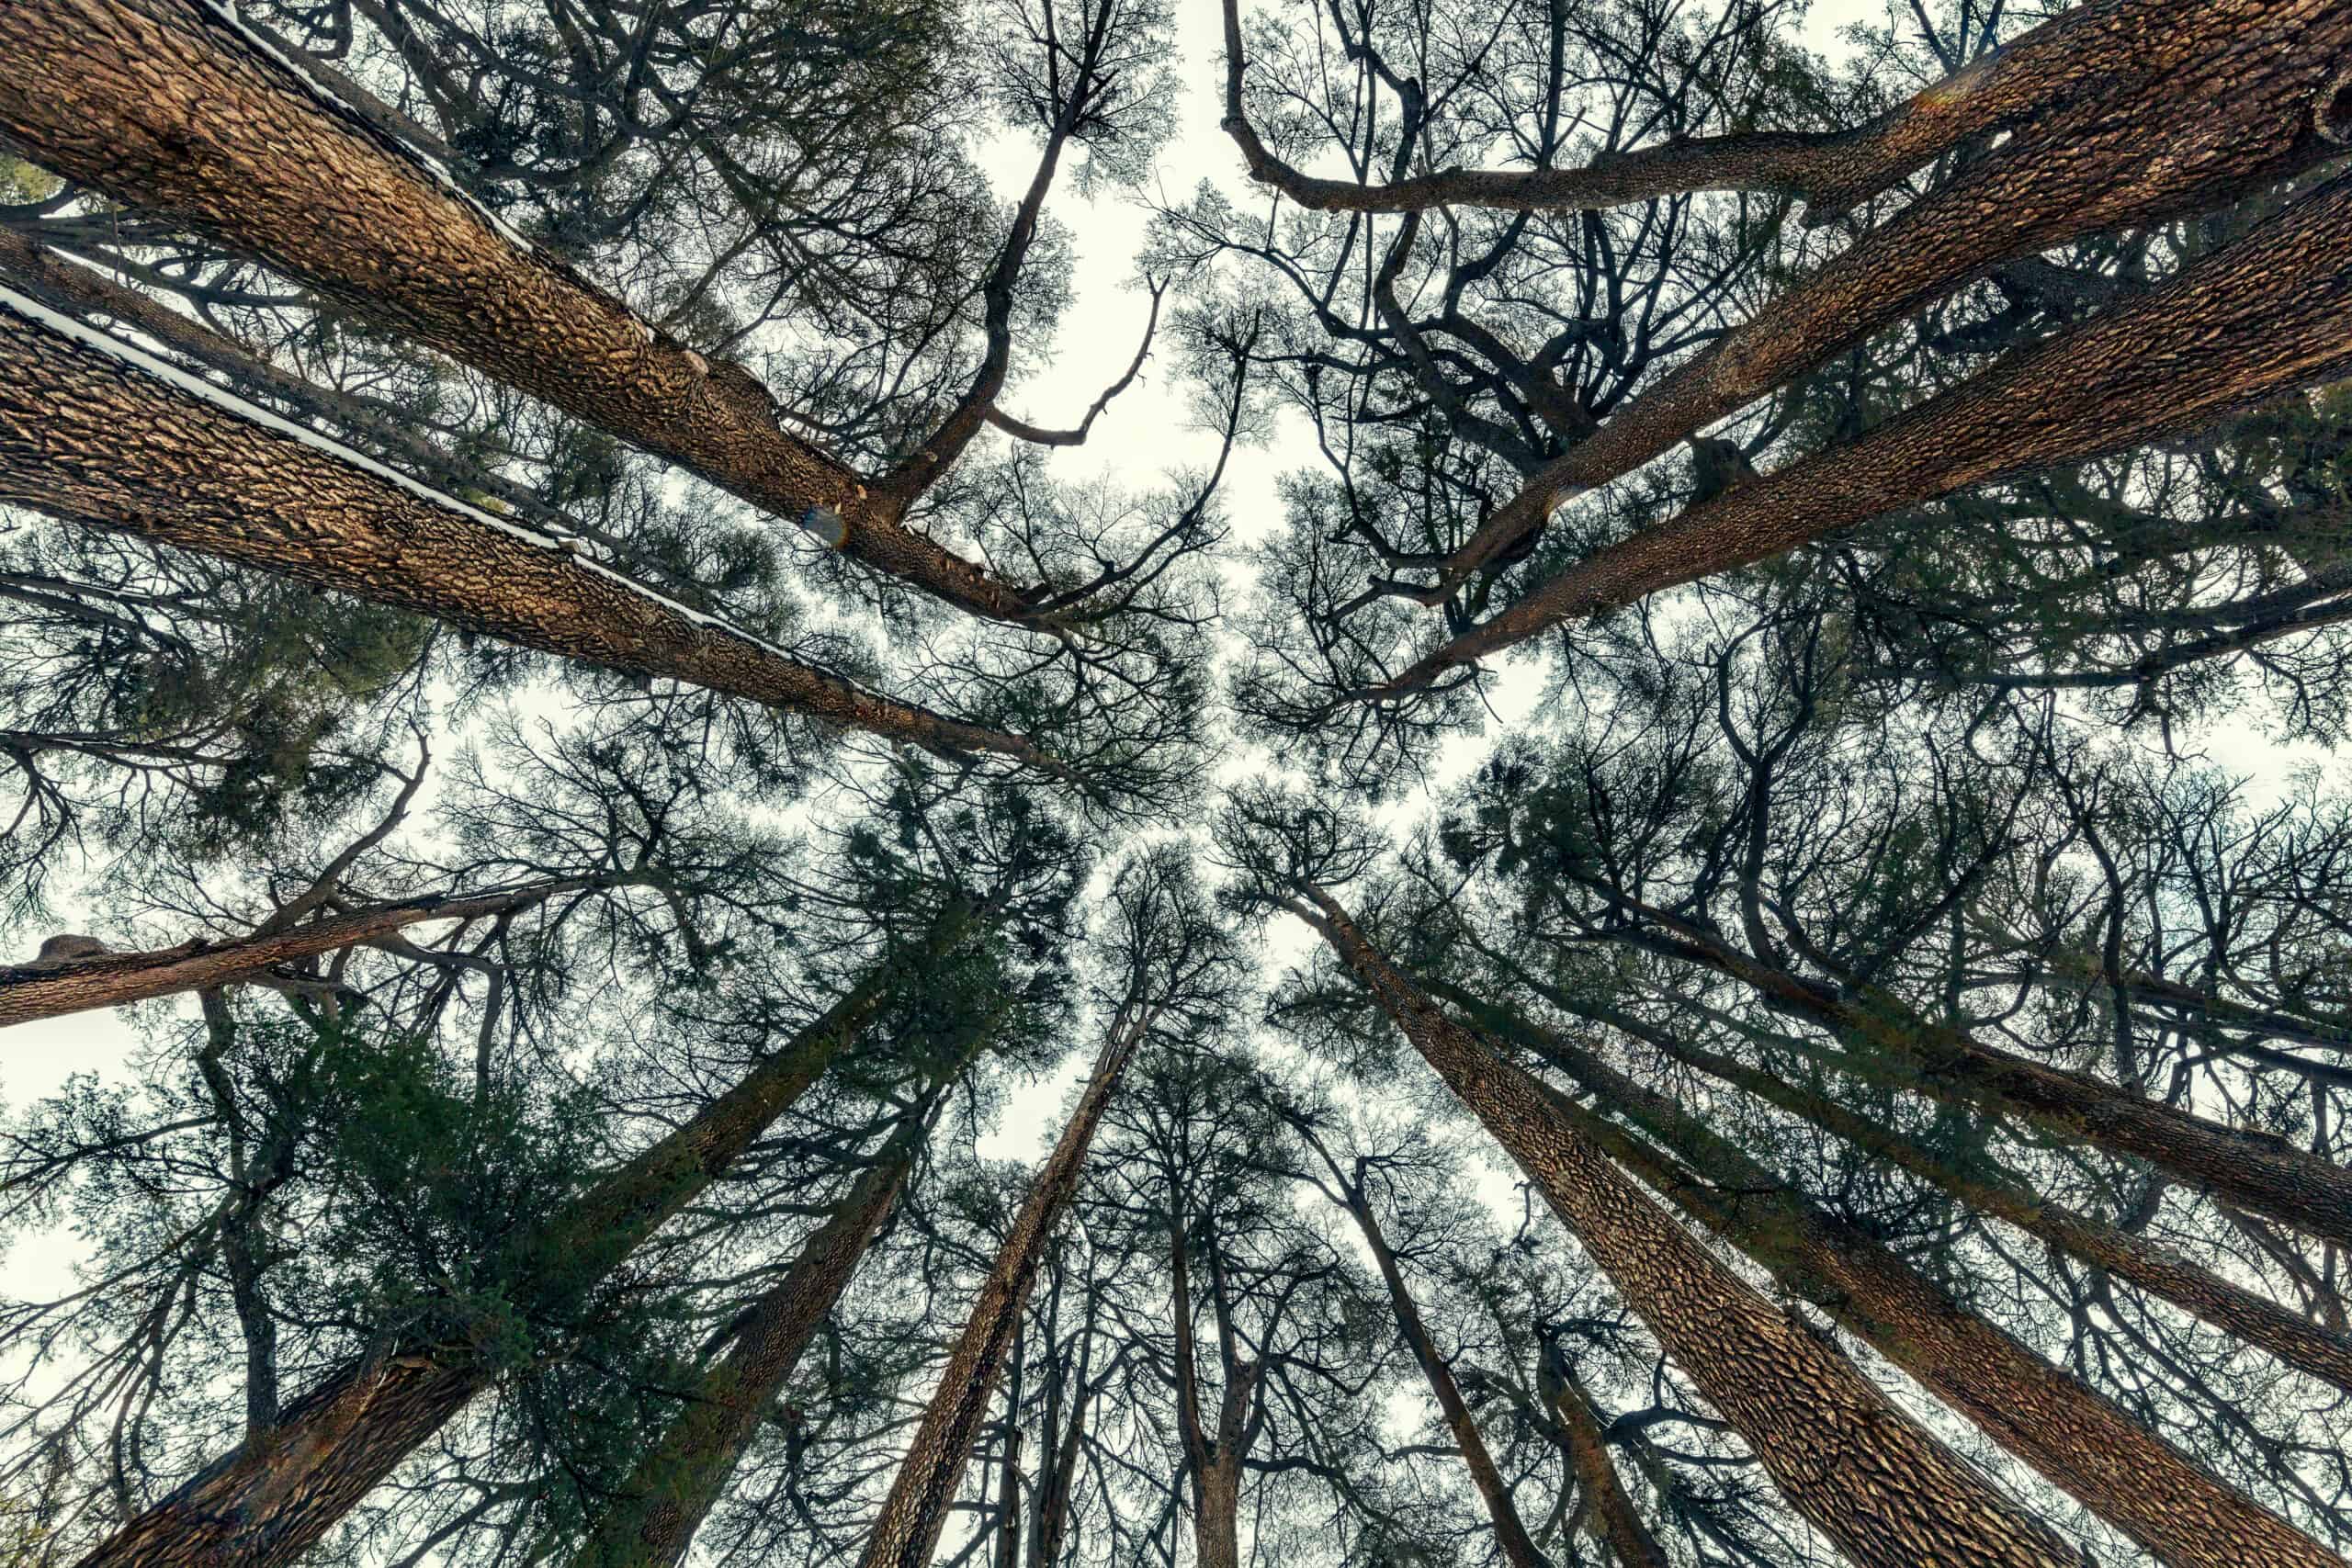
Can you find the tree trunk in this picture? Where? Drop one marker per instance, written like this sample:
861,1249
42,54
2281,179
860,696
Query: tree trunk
1610,1515
2263,314
1880,1486
908,1529
267,1502
2097,1454
102,436
2118,114
663,1501
173,108
2256,1171
2322,1351
1511,1532
29,991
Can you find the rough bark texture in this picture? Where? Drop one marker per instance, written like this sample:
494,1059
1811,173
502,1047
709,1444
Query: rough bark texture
1511,1532
87,436
2264,314
2106,1461
2309,1346
29,991
270,1500
908,1529
1609,1512
663,1501
1888,1494
168,107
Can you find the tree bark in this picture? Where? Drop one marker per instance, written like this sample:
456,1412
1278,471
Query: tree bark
2323,1352
1610,1515
267,1502
173,108
1511,1532
912,1515
1880,1486
101,436
29,991
2115,1468
666,1496
2263,314
2133,112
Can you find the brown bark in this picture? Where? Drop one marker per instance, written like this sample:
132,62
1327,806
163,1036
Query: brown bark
2263,314
1880,1486
2182,1516
35,990
2324,1351
167,107
1609,1512
266,1503
1511,1532
908,1528
85,437
662,1502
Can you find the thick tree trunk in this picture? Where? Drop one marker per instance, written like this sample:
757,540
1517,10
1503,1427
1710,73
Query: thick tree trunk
1519,1548
2106,1461
267,1503
908,1528
2315,1348
2264,314
173,108
1609,1515
1886,1492
100,434
2133,112
29,991
663,1501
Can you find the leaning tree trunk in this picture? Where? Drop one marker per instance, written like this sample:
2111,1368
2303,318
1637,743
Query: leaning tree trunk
1609,1515
1878,1484
2254,1171
29,991
103,436
270,1500
663,1501
2263,314
2115,1468
175,108
1519,1548
2309,1346
916,1510
2131,113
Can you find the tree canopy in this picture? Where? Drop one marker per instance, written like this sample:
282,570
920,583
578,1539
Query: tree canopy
1075,784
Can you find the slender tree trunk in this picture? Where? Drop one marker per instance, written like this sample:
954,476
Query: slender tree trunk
1511,1532
267,1502
2264,314
1058,1482
2253,1170
1609,1515
2321,1350
1211,1456
1886,1492
2103,1458
173,108
29,991
100,434
666,1496
908,1529
1008,1501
